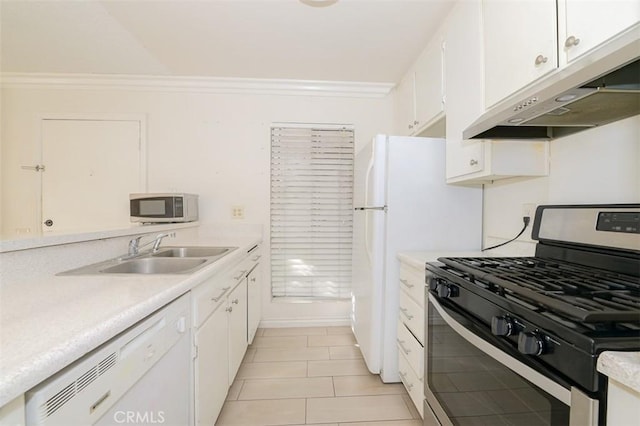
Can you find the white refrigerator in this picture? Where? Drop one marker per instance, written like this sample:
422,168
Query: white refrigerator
401,203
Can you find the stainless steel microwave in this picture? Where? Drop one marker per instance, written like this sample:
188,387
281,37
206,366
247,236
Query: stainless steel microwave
163,207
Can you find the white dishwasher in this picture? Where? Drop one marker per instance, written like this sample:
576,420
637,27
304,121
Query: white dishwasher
142,377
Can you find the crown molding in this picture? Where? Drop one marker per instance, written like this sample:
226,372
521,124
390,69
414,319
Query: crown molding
196,84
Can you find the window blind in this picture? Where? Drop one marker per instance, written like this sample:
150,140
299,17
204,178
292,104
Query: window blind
311,211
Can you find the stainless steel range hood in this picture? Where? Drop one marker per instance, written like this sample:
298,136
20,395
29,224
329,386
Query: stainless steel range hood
600,88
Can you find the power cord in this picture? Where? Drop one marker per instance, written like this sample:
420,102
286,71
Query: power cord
526,220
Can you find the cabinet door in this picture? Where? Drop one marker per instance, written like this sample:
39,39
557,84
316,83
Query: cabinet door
590,23
404,105
237,308
463,74
254,305
428,85
211,367
520,44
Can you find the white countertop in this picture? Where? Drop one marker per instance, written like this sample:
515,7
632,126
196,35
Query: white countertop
45,325
623,367
418,259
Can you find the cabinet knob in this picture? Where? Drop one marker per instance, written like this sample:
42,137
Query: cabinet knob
541,60
416,122
571,41
410,126
473,162
229,309
234,301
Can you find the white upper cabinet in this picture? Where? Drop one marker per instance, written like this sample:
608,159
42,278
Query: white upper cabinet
525,40
429,86
477,161
463,76
520,44
420,94
584,25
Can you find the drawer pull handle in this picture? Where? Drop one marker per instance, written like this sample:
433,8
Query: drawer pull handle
404,311
224,291
234,301
405,350
406,283
403,376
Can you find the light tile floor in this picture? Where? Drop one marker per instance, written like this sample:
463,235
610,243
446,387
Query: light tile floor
303,376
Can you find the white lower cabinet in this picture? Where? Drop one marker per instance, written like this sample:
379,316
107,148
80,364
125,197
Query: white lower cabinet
412,382
623,404
222,308
254,295
237,309
410,332
212,381
13,413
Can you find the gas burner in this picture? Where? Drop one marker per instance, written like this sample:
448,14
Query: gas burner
574,291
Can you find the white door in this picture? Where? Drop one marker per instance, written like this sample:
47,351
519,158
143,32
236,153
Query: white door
91,166
368,251
211,373
237,327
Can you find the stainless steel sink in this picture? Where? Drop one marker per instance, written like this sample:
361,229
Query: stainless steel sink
192,251
167,260
151,265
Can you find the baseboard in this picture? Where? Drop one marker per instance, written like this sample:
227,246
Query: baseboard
313,322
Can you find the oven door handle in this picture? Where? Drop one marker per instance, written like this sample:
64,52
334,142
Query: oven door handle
543,382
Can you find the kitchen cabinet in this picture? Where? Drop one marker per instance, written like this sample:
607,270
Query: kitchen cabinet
584,25
237,308
526,40
254,294
623,403
520,45
13,413
410,332
211,361
420,94
478,161
220,337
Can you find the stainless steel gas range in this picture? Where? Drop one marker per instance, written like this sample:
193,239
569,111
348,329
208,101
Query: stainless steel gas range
515,340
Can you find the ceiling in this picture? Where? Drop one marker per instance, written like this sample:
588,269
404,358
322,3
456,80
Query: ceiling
350,40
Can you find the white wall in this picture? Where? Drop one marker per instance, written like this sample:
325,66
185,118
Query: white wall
600,165
215,145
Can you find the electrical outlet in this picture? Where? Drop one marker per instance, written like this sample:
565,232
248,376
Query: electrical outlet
237,212
528,210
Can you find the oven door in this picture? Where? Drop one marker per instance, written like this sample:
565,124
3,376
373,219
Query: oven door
470,380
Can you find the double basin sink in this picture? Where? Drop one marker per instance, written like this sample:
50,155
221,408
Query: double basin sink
166,260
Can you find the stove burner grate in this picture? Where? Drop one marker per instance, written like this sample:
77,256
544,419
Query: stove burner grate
578,292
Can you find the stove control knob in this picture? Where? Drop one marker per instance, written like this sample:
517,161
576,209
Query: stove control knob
431,281
531,343
446,291
502,326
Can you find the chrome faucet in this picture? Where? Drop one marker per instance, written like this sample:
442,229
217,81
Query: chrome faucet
134,244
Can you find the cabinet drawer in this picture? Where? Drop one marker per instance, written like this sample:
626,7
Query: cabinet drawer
213,291
412,382
207,298
411,348
412,281
412,315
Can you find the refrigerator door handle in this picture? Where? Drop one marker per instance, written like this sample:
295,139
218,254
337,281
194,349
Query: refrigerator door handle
383,208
